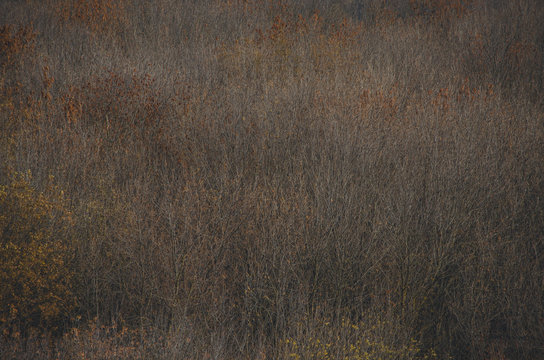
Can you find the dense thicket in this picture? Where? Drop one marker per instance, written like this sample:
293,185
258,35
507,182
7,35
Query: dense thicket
272,179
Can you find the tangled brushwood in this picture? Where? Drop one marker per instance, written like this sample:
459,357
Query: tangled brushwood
271,179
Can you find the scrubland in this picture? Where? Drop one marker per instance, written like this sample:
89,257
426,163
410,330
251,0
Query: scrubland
271,179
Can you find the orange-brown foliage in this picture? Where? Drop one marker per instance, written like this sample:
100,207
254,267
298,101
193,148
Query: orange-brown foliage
99,16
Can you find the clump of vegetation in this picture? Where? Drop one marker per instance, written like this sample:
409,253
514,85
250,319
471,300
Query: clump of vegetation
36,270
369,339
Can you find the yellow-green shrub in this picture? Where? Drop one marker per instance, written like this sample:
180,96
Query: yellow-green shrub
370,339
35,273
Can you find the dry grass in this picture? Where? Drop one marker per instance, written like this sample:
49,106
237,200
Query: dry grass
285,179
